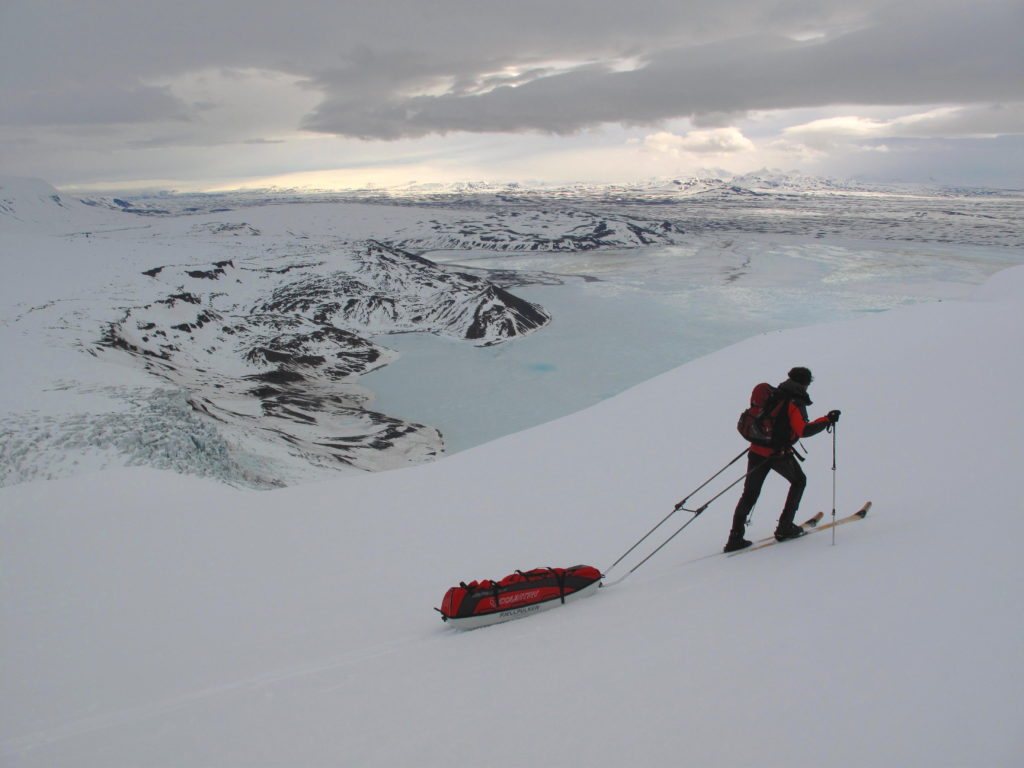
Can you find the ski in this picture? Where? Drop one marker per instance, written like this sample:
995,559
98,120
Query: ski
858,515
806,525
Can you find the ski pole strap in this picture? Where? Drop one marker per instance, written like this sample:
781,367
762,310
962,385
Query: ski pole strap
833,447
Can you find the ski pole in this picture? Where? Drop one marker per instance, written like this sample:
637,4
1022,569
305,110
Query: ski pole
696,513
675,509
834,425
666,541
681,503
735,482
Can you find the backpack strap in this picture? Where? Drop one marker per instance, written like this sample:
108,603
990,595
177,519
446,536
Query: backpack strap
781,429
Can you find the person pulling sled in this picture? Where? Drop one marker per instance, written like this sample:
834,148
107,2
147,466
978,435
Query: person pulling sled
776,419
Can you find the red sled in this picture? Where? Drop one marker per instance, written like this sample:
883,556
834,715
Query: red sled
519,594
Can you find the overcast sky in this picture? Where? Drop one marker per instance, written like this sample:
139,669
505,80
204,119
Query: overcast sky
225,93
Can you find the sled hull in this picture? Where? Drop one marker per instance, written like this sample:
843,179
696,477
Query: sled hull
497,617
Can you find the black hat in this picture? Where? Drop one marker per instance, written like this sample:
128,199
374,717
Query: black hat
801,375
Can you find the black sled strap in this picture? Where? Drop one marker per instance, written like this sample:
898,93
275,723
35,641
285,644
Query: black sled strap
560,580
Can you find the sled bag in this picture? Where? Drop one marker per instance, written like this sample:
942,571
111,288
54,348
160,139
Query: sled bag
517,589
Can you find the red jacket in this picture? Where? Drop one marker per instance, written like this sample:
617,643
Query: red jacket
799,427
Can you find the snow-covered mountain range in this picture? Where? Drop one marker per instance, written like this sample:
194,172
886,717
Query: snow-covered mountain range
269,334
252,316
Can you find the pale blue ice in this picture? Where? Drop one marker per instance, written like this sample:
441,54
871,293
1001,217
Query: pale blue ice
648,311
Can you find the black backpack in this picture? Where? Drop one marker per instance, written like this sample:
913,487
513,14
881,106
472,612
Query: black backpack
766,421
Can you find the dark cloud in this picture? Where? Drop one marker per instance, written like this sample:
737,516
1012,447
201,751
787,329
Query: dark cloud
371,59
89,103
965,55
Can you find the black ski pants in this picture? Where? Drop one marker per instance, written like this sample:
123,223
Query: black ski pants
758,468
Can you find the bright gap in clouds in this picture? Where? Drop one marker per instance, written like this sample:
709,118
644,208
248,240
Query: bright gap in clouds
814,141
949,122
832,142
613,155
713,141
517,75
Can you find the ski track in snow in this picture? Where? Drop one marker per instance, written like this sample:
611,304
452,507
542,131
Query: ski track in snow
134,715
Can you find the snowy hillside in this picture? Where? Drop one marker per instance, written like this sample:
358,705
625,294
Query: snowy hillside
32,204
150,618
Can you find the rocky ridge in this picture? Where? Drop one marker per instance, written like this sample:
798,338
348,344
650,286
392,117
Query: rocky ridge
284,360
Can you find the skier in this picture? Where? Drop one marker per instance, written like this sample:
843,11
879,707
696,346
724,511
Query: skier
761,460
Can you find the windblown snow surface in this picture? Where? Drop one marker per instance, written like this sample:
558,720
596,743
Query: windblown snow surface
154,619
150,618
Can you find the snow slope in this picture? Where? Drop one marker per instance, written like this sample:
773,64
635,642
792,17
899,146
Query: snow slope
28,204
162,620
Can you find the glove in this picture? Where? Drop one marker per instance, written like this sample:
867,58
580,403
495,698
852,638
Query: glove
832,416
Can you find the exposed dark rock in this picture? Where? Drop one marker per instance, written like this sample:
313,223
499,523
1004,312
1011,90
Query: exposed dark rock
301,345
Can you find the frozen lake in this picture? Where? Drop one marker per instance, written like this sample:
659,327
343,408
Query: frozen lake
620,318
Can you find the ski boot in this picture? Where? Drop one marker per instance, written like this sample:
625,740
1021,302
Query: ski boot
736,543
787,531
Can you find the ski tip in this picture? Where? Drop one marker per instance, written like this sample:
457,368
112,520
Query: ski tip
863,510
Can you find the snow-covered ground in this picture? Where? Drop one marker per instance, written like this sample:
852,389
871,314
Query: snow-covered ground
156,619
